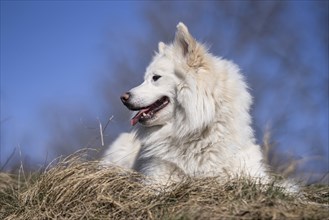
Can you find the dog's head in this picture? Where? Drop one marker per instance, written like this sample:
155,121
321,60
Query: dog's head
170,83
154,98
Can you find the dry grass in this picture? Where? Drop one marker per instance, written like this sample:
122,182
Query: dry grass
77,189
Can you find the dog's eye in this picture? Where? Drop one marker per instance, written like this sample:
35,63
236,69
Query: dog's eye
156,77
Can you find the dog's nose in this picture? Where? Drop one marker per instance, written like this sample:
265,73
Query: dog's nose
125,97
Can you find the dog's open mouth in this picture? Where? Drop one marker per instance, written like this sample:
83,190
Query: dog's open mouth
148,112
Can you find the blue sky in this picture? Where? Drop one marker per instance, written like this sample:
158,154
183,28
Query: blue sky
50,52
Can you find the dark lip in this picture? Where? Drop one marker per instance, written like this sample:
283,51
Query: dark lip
156,109
159,101
147,113
159,104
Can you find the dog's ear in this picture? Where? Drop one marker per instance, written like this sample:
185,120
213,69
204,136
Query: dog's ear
161,47
184,39
191,50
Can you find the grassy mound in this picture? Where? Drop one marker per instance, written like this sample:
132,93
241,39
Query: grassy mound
75,189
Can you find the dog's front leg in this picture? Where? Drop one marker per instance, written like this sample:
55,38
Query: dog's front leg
159,172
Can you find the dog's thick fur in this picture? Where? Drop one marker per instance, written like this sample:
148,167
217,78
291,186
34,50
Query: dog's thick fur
204,130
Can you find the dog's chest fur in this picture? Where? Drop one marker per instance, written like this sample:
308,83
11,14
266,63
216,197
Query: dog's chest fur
203,154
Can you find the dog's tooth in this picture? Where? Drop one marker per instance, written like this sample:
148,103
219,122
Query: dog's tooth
144,114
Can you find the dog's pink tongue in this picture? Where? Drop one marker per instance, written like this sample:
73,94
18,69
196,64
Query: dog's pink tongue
136,118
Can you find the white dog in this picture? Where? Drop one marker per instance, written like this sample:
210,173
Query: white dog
192,115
